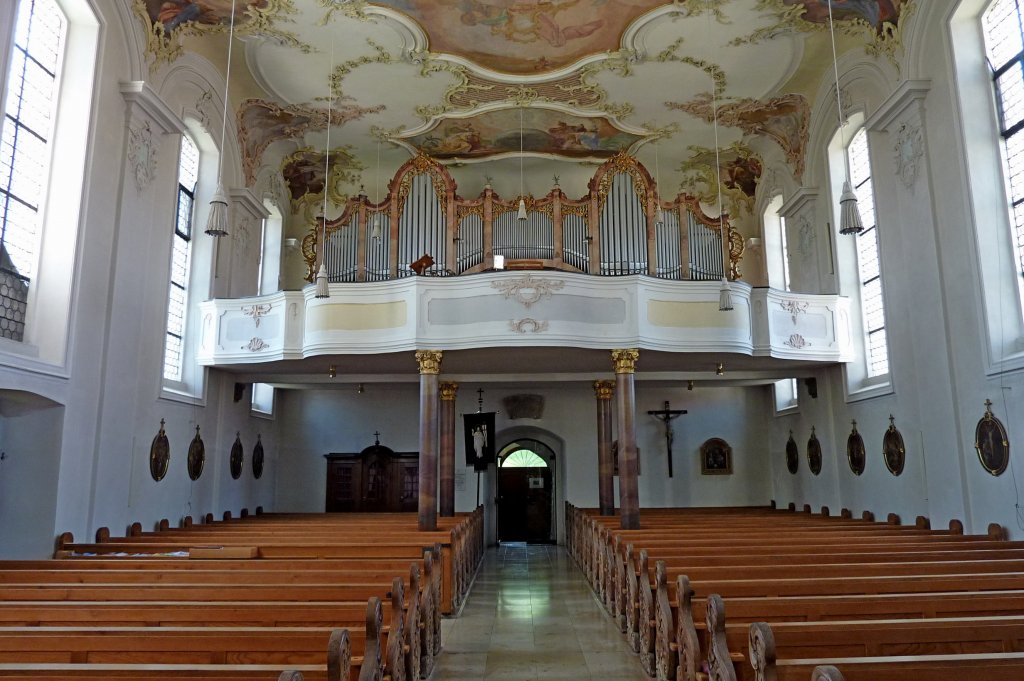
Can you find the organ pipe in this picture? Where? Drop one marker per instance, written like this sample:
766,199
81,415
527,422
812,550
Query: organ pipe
607,232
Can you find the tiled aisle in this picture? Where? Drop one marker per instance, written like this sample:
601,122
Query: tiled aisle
531,615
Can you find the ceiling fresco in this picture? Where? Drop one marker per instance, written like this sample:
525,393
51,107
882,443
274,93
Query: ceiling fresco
261,123
543,132
785,120
511,36
592,77
740,170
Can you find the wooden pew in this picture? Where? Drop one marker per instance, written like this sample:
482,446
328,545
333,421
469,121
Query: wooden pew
138,613
922,561
337,667
968,667
354,536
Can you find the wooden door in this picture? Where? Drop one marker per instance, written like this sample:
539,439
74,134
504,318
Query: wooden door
405,482
375,487
524,504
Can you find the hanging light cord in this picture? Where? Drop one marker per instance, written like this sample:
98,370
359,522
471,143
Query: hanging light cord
521,195
377,180
227,94
718,159
839,98
327,155
657,172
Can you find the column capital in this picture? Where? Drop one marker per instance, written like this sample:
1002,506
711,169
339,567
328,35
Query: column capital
449,389
429,361
625,360
604,390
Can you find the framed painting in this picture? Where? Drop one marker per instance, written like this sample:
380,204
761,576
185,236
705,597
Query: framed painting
814,453
615,459
257,458
792,455
992,443
159,454
196,457
893,450
856,454
237,454
715,457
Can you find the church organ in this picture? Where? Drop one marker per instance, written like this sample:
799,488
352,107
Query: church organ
613,230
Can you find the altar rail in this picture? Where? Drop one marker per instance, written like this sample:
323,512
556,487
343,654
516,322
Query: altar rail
613,230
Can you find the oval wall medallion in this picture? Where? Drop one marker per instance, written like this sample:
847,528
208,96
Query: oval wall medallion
159,454
196,456
814,453
792,455
236,457
893,451
855,451
991,442
257,458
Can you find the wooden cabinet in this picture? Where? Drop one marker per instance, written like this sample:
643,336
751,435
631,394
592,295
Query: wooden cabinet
375,480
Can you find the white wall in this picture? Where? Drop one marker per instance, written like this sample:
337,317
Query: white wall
30,446
316,422
93,449
951,330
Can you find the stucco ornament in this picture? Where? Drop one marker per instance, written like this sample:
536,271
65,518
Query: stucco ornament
142,155
909,151
528,290
806,238
528,325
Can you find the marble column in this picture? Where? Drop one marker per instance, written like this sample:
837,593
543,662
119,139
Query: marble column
625,394
604,390
448,392
430,366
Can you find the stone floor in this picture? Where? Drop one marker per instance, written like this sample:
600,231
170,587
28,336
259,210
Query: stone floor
531,615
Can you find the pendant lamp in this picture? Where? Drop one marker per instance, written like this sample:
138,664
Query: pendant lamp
375,226
522,200
659,214
217,222
323,289
849,213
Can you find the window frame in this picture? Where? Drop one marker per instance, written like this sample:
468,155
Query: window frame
866,279
858,384
44,349
47,138
177,382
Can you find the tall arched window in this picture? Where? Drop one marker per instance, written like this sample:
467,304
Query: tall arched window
181,250
25,151
775,245
868,259
1004,48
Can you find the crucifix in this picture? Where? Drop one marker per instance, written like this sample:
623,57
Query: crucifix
666,416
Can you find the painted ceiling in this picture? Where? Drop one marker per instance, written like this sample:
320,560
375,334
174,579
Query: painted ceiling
454,78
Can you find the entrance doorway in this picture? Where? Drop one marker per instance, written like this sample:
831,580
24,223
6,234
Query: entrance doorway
525,491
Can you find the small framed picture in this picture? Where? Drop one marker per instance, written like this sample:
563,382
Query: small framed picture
615,459
716,457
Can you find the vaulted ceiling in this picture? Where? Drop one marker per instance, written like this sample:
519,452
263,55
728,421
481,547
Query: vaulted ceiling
582,79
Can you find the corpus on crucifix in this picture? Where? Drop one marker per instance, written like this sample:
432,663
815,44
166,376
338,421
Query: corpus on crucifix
666,416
